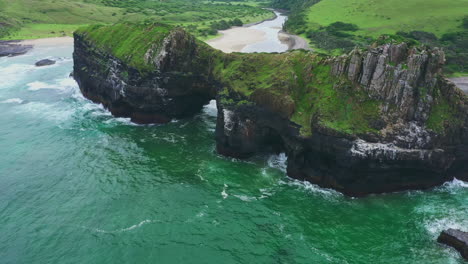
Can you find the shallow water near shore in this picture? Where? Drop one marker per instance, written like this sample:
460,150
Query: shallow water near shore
80,186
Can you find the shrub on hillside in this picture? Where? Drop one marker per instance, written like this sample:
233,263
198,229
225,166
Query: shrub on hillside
341,26
465,22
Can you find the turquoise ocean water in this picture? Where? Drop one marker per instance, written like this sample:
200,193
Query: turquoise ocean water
80,186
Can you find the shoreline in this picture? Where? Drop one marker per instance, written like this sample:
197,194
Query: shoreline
47,41
11,48
236,38
294,42
239,35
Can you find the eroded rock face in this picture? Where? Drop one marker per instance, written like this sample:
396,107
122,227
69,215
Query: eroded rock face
345,163
419,140
456,239
404,154
179,85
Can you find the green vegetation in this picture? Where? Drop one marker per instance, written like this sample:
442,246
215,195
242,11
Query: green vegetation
127,41
444,115
375,18
299,83
442,23
27,19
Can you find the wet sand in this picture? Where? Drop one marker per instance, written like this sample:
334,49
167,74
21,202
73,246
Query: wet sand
235,39
48,41
293,41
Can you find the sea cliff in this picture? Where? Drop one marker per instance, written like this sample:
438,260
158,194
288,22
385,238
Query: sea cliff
376,120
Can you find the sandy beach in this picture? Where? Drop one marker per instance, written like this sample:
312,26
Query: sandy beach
48,41
235,39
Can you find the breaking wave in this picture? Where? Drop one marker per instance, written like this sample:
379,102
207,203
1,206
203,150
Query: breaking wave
12,101
278,161
309,187
61,84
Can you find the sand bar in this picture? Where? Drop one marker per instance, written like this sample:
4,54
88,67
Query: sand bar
235,39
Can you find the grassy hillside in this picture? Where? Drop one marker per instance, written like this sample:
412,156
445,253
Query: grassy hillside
336,26
26,19
375,17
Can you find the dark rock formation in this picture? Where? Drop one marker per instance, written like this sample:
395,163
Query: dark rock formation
12,48
45,62
456,239
403,154
178,86
376,120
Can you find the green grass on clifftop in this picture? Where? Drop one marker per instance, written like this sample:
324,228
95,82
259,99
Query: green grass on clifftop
298,84
127,41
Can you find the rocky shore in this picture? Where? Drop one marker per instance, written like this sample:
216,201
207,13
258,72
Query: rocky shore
376,120
13,48
456,239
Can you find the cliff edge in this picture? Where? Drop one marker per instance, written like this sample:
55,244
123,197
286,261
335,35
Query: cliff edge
376,120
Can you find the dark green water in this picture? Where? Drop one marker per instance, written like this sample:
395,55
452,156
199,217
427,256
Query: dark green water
79,186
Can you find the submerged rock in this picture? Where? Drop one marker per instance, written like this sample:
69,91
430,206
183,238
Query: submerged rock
45,62
456,239
376,120
12,48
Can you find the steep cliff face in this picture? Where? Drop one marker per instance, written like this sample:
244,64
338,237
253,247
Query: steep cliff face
411,130
151,83
376,120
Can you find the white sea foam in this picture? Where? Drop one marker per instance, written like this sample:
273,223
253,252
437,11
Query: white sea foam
278,162
435,227
456,183
245,198
266,192
60,84
309,187
46,111
452,186
224,193
121,120
124,229
13,73
12,101
34,86
211,109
